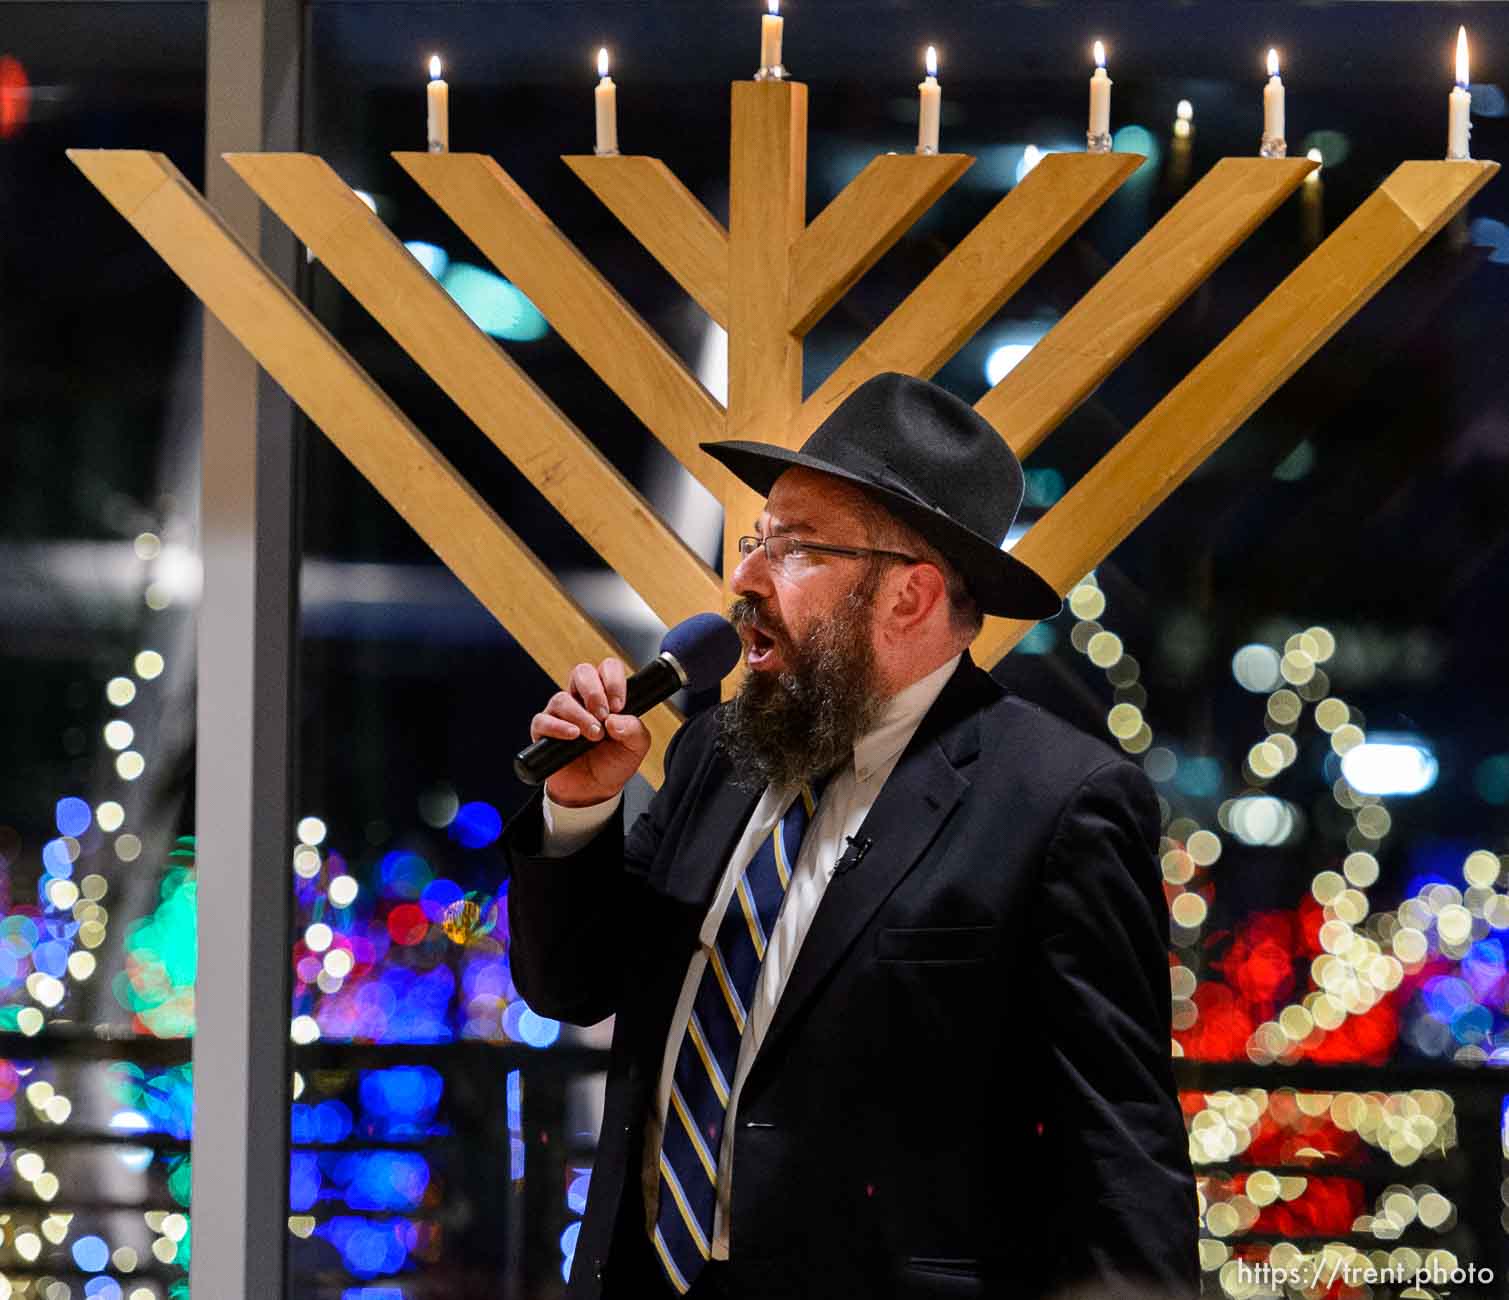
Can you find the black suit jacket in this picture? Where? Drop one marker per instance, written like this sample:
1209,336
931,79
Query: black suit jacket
966,1088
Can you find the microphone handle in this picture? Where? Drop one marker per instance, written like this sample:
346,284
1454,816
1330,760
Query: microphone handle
658,680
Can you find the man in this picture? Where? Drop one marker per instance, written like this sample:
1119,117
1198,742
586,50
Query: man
888,951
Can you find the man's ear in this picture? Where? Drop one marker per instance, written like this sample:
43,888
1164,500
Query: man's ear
915,598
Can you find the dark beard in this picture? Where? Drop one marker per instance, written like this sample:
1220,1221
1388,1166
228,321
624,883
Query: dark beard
783,728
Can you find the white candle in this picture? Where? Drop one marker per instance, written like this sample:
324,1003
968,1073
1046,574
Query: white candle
1273,109
438,103
605,99
1458,123
1100,101
771,27
932,100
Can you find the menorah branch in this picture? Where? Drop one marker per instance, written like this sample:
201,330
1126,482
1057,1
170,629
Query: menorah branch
1137,295
318,374
1238,375
865,219
974,281
666,217
485,383
609,335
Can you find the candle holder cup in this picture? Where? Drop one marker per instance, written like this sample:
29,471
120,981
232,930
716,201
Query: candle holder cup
1273,146
1097,142
777,73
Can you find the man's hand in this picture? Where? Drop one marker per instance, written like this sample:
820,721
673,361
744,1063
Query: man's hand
589,708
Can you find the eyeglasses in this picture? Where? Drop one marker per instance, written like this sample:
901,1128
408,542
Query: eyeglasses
780,549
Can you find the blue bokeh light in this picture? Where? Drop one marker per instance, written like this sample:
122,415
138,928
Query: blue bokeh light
367,1248
404,875
51,958
401,1101
525,1026
1043,487
303,1180
1488,100
494,305
432,257
91,1254
515,1157
1138,139
382,1181
1200,776
73,816
1039,640
55,859
1492,234
476,825
327,1123
438,895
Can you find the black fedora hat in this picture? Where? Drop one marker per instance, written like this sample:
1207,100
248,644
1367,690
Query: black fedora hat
935,463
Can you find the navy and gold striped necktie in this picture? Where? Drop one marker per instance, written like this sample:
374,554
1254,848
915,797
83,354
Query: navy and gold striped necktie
709,1051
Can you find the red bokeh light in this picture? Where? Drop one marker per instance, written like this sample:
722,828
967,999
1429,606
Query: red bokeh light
1263,970
1327,1207
1260,962
1221,1031
15,96
1369,1037
408,924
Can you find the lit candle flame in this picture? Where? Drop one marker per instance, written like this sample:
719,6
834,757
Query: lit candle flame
775,6
1185,111
602,62
1461,56
1273,63
931,61
1100,54
434,67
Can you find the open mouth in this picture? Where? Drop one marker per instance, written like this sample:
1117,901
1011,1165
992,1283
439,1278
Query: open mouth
762,647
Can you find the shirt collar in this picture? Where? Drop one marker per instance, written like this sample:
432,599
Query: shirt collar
903,712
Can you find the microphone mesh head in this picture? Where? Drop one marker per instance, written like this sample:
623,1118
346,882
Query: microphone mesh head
707,648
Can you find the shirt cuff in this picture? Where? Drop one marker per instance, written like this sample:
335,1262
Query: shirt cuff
569,829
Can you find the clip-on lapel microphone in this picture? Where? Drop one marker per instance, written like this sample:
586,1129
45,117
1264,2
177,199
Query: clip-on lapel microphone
858,847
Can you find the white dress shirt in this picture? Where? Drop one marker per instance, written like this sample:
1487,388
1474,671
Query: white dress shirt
845,804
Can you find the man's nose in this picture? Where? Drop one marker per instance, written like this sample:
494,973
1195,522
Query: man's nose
752,576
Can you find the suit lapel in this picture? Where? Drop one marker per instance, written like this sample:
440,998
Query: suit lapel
911,807
700,862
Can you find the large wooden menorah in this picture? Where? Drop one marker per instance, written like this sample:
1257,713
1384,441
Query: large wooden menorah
767,279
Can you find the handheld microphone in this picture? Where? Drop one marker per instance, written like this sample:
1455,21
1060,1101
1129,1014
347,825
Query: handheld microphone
696,654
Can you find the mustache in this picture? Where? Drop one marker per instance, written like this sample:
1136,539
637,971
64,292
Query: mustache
747,613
